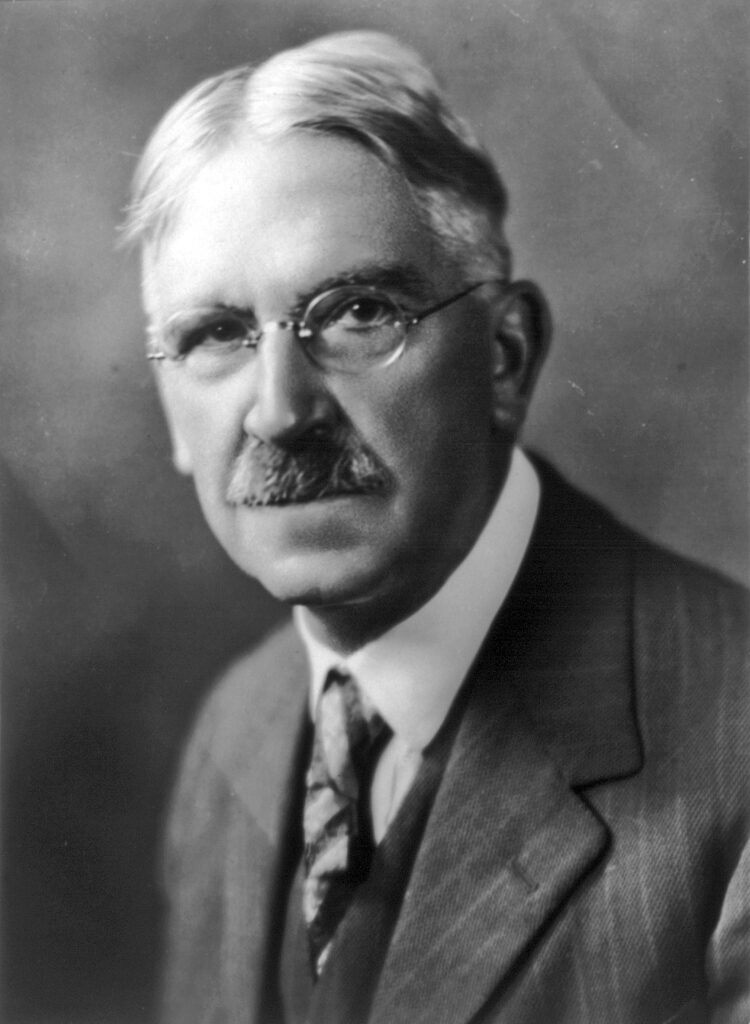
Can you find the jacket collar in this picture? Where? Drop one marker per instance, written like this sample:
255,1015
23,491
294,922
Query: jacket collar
565,638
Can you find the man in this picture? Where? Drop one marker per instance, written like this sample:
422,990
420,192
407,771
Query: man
523,796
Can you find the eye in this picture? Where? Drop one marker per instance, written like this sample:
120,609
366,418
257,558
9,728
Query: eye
359,313
210,332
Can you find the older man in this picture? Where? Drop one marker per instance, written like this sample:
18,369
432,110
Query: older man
522,797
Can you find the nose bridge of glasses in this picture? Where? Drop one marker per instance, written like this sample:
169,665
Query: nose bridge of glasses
298,327
283,361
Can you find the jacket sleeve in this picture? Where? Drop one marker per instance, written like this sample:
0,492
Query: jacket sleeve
728,953
728,959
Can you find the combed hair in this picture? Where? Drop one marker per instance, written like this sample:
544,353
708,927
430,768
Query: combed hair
364,86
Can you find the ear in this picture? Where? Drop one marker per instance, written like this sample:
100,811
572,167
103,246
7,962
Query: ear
521,327
182,460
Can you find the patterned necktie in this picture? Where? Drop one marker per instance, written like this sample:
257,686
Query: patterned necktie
338,842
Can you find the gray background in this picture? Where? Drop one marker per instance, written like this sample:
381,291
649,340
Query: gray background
619,128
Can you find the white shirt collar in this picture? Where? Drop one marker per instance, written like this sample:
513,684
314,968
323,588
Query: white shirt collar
413,672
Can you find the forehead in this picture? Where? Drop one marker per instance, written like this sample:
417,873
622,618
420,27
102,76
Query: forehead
267,220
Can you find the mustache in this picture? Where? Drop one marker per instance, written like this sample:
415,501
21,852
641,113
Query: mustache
320,465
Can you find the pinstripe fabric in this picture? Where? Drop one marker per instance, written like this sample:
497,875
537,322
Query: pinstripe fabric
583,860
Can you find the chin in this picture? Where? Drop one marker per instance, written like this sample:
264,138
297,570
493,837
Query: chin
319,581
309,576
323,553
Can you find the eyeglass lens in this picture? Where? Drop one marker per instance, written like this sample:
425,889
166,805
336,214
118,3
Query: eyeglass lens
346,329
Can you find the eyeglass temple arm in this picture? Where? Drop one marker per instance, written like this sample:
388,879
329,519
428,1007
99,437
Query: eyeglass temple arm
417,317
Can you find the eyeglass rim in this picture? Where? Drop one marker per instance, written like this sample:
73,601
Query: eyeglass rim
302,330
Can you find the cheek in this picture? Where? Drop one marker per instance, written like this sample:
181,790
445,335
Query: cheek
438,413
206,427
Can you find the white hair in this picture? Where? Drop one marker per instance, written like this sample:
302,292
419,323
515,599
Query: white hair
363,86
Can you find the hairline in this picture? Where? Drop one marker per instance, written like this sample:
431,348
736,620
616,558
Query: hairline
429,202
461,202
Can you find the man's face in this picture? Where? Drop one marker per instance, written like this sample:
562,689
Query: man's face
263,225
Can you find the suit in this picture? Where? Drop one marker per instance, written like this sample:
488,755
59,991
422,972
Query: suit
584,856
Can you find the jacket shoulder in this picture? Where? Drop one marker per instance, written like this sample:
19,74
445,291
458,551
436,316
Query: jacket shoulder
242,735
692,634
682,629
709,599
250,691
579,527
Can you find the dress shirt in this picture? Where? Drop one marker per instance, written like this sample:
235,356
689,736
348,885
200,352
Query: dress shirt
412,673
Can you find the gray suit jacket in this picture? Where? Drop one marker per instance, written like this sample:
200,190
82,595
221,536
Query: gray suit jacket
585,860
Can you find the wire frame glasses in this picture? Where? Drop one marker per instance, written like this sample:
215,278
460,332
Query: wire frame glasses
349,329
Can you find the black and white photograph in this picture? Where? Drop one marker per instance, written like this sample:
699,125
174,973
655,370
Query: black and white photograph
374,512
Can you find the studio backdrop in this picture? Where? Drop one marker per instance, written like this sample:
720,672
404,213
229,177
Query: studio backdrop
619,128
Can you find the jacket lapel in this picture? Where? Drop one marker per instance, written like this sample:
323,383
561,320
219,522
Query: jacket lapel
262,758
264,728
549,711
505,844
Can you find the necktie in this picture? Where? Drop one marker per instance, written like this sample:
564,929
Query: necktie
338,844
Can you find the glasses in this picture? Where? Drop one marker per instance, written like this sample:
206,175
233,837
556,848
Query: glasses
349,329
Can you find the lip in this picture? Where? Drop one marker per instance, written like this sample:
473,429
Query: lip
309,503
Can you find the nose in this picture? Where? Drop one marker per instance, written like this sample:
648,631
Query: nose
289,395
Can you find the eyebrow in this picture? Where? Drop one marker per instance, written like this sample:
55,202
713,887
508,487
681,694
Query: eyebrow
406,279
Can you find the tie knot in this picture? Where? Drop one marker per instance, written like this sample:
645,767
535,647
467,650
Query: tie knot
346,725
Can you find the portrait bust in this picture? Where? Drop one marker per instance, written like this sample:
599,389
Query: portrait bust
550,696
